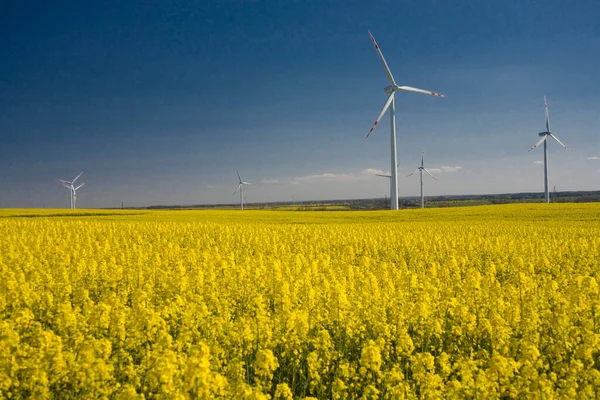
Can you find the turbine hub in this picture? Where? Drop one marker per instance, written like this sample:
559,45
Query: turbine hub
543,133
391,89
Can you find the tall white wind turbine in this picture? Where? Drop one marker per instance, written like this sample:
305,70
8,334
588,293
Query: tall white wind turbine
390,91
545,136
422,169
73,190
241,189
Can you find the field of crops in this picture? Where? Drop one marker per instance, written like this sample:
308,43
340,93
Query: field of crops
474,302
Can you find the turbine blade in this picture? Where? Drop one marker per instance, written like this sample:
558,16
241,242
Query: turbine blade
559,142
412,173
547,117
385,66
538,143
67,185
77,177
246,183
429,173
384,176
239,177
412,89
238,188
383,110
65,182
77,188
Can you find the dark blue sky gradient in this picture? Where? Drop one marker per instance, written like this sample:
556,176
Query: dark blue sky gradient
158,102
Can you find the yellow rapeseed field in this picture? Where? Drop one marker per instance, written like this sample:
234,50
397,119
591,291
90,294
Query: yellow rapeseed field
474,302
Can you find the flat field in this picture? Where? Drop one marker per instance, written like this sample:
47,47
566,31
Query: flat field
473,302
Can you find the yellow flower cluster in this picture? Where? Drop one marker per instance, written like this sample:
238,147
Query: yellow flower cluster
478,302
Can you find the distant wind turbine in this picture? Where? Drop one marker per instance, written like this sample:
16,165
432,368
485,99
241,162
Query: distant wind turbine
387,175
421,169
544,139
241,189
73,190
390,91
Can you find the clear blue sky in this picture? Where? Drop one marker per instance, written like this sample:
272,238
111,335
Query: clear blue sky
158,102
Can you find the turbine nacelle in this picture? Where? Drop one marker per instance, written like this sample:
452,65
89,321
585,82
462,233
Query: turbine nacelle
391,89
543,133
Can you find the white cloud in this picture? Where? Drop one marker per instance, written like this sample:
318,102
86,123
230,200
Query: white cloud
270,181
294,183
210,186
363,175
325,177
447,168
434,170
373,171
538,162
593,158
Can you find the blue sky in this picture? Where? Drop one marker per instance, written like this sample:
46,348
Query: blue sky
159,102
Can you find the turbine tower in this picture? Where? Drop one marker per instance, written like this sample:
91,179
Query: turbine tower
241,189
544,139
421,169
390,91
73,190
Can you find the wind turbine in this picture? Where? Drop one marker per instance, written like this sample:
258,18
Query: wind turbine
241,189
390,91
387,176
544,139
71,186
421,169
